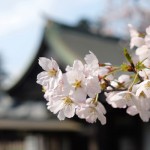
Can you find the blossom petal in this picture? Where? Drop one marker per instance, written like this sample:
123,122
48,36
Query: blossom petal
91,58
102,118
69,110
132,110
61,115
44,62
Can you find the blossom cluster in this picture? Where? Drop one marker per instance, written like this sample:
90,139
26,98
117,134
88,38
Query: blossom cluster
76,91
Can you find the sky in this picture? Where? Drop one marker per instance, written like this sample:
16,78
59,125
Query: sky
22,24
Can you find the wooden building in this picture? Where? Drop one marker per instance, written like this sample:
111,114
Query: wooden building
26,124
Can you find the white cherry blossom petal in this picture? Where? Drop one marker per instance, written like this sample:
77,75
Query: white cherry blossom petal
145,88
61,115
69,111
91,59
132,110
148,30
93,86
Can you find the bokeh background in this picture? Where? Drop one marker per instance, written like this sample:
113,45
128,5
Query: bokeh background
65,30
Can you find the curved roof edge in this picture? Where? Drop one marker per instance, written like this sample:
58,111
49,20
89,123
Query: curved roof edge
30,66
32,70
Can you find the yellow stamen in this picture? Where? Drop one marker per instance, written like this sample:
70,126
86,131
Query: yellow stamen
67,100
77,84
147,85
142,35
52,72
142,95
127,96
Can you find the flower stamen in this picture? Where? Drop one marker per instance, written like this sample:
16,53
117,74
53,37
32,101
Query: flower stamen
77,84
67,100
127,96
52,72
147,85
142,94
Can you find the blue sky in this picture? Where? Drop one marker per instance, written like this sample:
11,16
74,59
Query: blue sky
22,25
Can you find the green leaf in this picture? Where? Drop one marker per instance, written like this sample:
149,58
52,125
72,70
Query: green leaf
127,55
139,66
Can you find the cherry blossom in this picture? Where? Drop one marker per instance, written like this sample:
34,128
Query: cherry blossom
122,99
92,86
144,87
77,65
76,91
147,37
144,115
92,111
142,108
136,39
75,82
51,74
61,103
124,80
145,73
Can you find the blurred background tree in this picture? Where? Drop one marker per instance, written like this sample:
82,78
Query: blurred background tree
120,13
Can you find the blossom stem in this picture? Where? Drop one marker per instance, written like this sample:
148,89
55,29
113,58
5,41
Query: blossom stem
113,88
133,68
135,78
113,71
95,99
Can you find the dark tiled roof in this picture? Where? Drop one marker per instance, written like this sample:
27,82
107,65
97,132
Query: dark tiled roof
65,44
